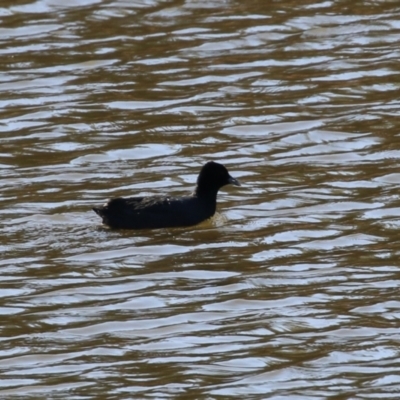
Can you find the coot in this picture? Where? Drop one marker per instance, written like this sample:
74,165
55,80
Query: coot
164,211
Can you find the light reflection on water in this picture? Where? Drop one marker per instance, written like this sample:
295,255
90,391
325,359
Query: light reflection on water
290,291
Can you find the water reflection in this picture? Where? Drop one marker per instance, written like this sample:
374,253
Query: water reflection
291,290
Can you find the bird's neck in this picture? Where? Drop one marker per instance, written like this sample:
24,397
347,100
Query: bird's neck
206,193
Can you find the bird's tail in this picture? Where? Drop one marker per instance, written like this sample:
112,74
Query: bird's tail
98,211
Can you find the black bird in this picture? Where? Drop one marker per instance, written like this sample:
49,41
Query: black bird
164,211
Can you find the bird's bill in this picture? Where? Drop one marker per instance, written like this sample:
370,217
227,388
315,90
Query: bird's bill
234,181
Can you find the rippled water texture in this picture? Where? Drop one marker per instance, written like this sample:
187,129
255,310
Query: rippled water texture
291,290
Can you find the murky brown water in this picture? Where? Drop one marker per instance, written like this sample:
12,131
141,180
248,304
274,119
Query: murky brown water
291,291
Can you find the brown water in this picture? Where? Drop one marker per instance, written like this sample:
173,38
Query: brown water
292,290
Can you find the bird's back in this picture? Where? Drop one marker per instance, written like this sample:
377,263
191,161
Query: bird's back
155,212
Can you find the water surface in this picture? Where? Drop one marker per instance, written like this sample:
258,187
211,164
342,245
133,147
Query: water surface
291,290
